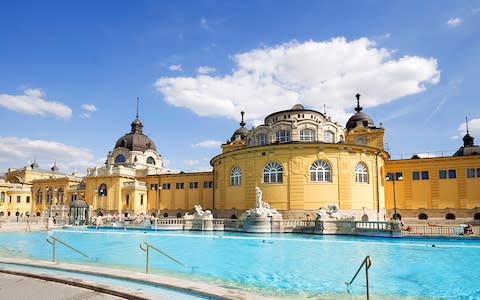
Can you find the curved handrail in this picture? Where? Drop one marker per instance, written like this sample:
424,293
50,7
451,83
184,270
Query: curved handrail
148,246
367,262
54,240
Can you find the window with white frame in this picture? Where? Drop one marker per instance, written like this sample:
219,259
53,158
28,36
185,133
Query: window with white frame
307,135
273,173
328,136
361,173
320,171
261,139
235,176
282,136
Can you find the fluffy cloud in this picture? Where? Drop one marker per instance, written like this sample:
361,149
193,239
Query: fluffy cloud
473,129
208,144
205,70
32,102
312,73
68,158
454,22
175,68
88,109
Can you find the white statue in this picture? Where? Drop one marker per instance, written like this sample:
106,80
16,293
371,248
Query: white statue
259,197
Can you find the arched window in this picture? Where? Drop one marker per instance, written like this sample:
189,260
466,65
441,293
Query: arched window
120,159
328,136
235,176
282,136
38,198
261,139
423,216
2,197
307,135
320,171
450,216
273,173
476,216
361,173
150,160
102,190
60,196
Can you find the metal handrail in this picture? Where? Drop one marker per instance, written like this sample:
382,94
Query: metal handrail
367,262
148,246
54,240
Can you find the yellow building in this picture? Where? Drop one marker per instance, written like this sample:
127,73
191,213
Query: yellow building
299,158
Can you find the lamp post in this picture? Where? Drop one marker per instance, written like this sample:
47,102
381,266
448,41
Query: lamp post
394,177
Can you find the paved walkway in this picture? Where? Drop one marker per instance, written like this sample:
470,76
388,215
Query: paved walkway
18,288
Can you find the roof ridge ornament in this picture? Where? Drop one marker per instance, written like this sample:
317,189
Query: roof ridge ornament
358,108
242,123
138,100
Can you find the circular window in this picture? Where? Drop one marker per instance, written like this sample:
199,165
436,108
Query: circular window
120,159
233,217
165,215
364,218
150,160
422,217
450,217
179,215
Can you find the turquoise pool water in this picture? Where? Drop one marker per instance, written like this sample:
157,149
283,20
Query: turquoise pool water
276,264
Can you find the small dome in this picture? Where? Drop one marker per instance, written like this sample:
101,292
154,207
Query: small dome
242,131
136,140
298,107
359,119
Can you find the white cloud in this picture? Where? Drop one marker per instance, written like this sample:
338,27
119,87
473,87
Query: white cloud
454,22
205,70
175,68
89,107
473,128
33,103
312,73
68,158
208,144
191,162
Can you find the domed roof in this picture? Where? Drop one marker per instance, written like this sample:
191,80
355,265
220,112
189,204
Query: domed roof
298,107
359,119
242,131
136,140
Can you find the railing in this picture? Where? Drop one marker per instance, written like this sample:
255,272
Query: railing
367,262
52,240
146,249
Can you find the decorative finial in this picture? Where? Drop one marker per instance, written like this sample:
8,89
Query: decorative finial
358,108
466,123
138,100
324,109
243,122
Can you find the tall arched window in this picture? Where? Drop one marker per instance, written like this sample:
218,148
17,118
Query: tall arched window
320,171
261,139
38,198
273,173
283,136
102,190
235,176
361,173
120,159
60,196
307,135
150,160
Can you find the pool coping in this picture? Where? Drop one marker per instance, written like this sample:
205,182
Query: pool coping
173,283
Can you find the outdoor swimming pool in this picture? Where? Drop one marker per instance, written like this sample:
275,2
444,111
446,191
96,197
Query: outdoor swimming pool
275,264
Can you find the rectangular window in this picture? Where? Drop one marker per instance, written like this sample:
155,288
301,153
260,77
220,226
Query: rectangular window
141,199
28,199
470,173
452,174
208,184
399,176
478,172
261,139
283,136
194,185
128,199
179,186
415,175
166,186
19,199
424,175
9,199
442,174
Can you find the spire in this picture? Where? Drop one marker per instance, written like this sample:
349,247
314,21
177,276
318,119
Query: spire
54,168
243,122
138,100
358,108
467,139
466,123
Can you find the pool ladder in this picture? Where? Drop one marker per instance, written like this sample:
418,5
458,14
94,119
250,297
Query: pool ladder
146,246
367,262
53,240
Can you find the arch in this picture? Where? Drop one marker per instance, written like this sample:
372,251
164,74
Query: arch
397,216
235,176
423,216
150,160
261,139
120,159
476,216
361,173
450,216
328,136
307,135
273,173
320,171
365,218
102,190
234,217
165,214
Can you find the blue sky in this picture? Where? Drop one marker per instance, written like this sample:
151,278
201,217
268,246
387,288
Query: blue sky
70,73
